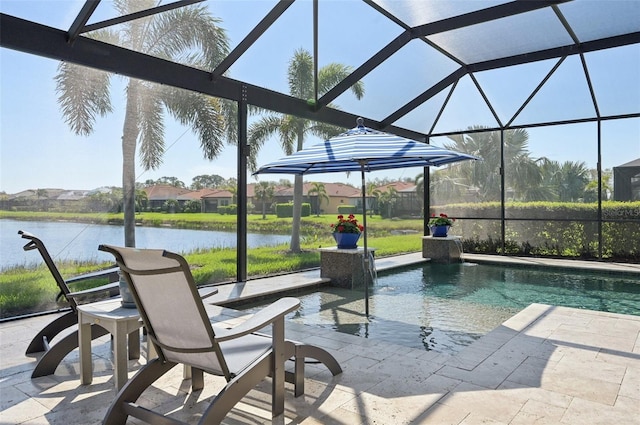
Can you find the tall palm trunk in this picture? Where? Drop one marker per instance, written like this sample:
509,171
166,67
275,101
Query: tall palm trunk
297,203
297,214
129,139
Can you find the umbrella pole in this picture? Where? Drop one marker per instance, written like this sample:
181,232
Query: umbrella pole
366,252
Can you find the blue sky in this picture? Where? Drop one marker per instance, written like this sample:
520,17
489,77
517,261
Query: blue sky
37,149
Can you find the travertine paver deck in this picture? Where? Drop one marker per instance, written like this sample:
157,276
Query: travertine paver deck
546,365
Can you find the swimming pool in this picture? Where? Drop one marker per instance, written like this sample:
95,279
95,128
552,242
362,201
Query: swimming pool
446,307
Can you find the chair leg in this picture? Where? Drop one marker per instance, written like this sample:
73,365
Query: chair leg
134,345
303,351
197,379
235,390
41,341
124,403
51,359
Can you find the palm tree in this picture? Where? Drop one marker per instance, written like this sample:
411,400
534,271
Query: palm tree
189,35
373,192
142,200
388,199
522,172
264,192
293,130
231,185
445,188
575,177
321,193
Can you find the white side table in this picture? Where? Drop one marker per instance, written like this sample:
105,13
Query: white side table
121,323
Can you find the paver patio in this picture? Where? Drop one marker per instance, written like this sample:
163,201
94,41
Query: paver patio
545,365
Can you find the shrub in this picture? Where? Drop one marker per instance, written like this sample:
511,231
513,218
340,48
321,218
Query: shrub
193,206
171,206
346,209
286,210
228,209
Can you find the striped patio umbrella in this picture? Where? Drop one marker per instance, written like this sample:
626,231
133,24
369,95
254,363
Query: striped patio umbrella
363,149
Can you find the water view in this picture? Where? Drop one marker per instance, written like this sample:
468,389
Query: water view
79,241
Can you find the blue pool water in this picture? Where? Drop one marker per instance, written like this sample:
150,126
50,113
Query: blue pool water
447,307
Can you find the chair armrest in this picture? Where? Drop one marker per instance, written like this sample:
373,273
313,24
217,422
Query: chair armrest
264,317
206,292
111,273
91,291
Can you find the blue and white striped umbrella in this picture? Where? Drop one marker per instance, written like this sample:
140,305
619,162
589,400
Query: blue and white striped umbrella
363,149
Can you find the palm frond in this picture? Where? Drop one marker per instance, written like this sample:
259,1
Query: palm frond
189,35
258,133
151,125
325,131
83,93
301,75
202,113
230,114
290,128
330,75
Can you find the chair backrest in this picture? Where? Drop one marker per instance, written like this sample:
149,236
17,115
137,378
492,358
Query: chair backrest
35,243
168,302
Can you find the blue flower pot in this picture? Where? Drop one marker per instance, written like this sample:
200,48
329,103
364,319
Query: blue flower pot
440,231
346,240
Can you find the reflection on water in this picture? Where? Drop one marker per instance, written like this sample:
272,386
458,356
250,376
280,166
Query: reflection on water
79,241
445,308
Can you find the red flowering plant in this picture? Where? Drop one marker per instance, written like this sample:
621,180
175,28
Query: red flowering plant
441,220
347,225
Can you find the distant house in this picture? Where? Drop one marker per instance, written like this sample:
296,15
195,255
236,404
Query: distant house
33,194
73,195
159,194
214,198
281,194
192,196
37,199
626,181
407,202
338,194
251,198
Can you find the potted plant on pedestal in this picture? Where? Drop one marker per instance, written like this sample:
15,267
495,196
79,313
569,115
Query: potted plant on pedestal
439,225
347,231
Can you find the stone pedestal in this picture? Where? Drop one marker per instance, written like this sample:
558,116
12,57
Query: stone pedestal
343,266
442,250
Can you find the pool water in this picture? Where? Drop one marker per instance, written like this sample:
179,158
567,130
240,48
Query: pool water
445,308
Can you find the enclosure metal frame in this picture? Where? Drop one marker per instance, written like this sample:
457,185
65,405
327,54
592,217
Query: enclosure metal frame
33,38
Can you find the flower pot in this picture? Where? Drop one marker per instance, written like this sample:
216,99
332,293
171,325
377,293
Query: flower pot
346,240
440,231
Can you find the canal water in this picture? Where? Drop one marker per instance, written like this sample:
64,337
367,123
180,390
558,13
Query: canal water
79,241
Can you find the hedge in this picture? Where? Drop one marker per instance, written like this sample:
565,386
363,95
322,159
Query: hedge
565,229
286,210
228,209
346,209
